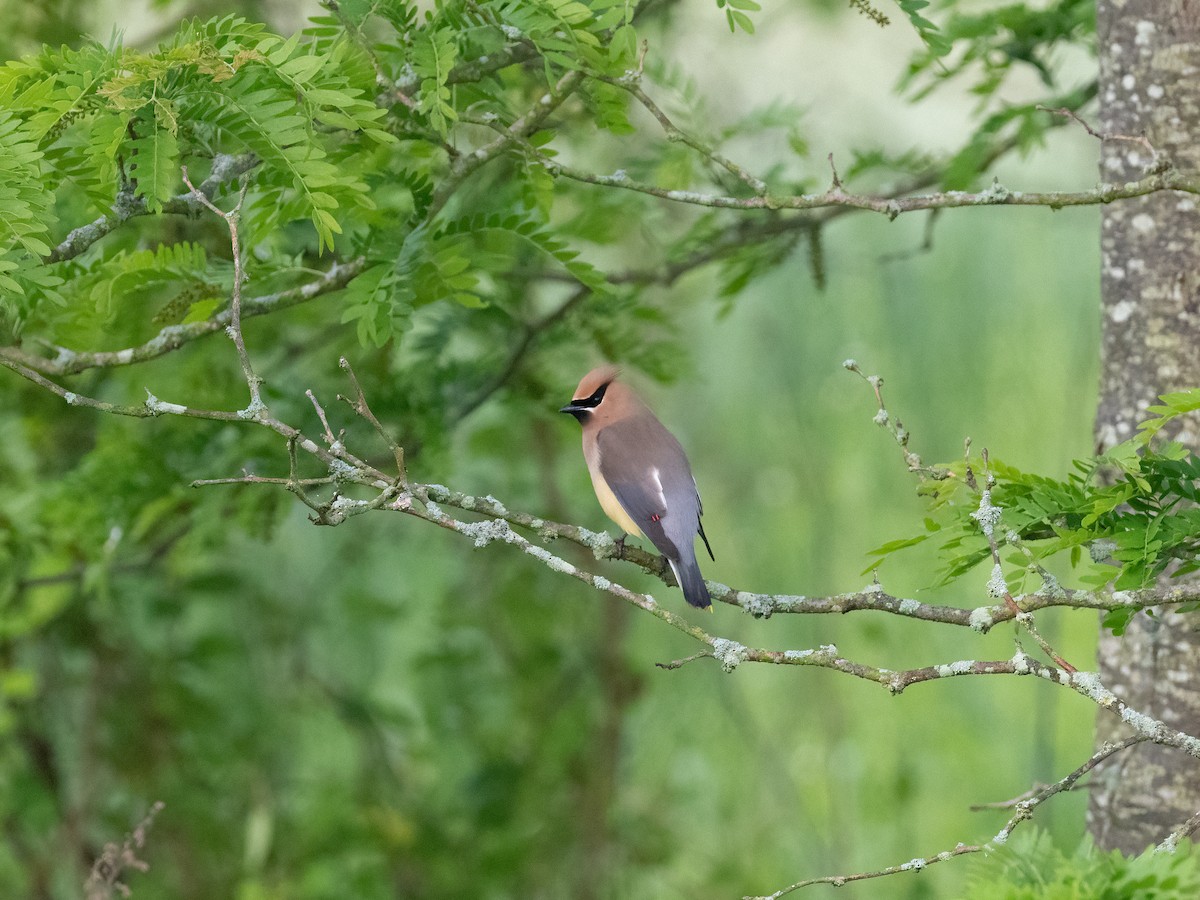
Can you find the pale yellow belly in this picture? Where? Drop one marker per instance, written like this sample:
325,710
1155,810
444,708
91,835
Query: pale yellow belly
612,507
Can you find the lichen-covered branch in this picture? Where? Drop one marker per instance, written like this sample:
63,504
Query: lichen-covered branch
872,598
837,196
424,501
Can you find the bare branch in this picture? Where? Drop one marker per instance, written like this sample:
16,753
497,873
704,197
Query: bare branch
835,197
1009,804
674,133
747,231
361,407
895,428
232,219
152,407
873,598
263,479
348,468
1025,808
1139,139
328,432
680,663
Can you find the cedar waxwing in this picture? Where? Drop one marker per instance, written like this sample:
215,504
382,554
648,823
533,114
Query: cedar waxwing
641,475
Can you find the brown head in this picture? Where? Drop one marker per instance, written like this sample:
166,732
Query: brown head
601,399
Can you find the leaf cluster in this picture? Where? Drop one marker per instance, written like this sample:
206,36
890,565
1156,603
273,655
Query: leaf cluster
984,47
991,43
1030,867
1123,518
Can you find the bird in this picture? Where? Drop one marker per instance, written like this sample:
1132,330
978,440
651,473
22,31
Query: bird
641,475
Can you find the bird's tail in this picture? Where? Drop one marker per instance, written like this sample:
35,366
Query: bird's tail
687,573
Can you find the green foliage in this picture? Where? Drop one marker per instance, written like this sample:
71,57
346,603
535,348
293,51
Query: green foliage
123,295
1031,867
26,215
569,34
373,304
25,205
496,238
937,45
984,47
155,162
224,86
993,43
1124,518
736,14
359,711
434,54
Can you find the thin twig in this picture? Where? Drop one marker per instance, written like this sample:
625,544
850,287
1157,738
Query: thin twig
675,133
835,186
263,479
914,865
1139,139
362,408
329,438
680,663
1025,808
896,428
232,219
1009,804
104,880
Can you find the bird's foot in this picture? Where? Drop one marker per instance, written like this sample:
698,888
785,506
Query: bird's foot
619,543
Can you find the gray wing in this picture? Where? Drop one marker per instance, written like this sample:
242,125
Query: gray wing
651,479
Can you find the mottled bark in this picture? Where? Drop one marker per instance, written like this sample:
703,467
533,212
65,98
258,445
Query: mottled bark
1150,284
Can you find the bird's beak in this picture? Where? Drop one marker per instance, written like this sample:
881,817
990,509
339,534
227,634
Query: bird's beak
576,410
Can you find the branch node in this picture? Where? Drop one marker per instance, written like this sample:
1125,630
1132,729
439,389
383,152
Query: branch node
836,184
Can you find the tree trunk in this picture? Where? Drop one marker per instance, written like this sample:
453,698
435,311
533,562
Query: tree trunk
1150,288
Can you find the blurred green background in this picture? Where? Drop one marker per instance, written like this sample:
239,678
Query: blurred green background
379,711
